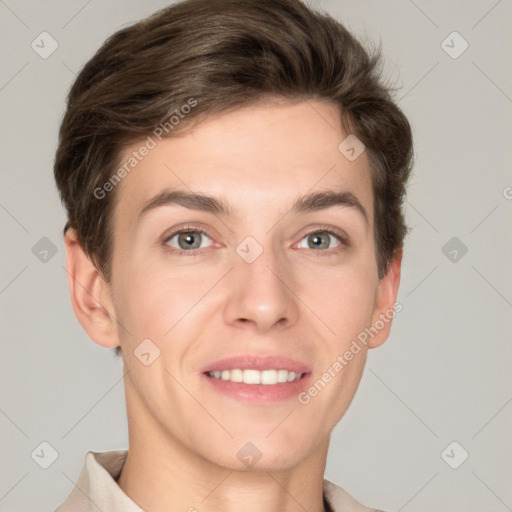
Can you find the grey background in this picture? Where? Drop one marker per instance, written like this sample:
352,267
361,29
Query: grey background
445,373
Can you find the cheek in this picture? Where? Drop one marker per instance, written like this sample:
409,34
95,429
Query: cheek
347,304
343,299
152,300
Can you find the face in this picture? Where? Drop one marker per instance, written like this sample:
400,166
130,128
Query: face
244,250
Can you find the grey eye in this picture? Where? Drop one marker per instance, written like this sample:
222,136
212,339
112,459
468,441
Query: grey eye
188,240
319,240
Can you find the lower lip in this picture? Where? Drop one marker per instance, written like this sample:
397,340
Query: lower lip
259,393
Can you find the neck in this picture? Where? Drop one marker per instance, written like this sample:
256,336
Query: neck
161,474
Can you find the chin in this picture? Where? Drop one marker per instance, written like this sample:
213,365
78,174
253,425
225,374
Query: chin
251,456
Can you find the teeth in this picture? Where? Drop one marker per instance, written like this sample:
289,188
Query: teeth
266,377
236,375
282,375
269,376
252,377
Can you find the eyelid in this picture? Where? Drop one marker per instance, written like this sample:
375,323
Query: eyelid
338,233
188,227
182,231
185,231
184,228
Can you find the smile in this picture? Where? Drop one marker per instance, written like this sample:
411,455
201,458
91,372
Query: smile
251,376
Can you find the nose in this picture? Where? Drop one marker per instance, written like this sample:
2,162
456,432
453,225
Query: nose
260,294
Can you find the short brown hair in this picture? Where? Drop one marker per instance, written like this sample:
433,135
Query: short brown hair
224,54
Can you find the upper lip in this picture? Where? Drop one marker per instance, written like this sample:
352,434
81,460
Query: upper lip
255,362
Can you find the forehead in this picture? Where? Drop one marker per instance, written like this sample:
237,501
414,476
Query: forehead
254,156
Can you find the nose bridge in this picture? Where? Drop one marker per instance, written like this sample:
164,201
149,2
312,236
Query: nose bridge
261,274
260,287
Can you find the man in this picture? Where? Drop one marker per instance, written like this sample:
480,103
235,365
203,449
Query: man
233,174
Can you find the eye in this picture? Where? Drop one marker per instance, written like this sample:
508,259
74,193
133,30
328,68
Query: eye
320,240
187,240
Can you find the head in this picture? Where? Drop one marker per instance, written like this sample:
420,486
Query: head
178,122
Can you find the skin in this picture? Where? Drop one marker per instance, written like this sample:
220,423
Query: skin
293,300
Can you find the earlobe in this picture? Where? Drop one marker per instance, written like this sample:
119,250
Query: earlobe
90,294
385,307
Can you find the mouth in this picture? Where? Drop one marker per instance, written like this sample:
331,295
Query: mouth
250,376
258,379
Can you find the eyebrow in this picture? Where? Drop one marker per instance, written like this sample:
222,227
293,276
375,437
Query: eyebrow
190,200
202,202
323,200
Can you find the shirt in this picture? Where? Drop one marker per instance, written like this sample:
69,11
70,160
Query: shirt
97,489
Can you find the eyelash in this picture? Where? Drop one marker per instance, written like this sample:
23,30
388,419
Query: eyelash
344,243
180,252
342,239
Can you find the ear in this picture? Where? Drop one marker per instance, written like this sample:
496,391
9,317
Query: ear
385,306
90,294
